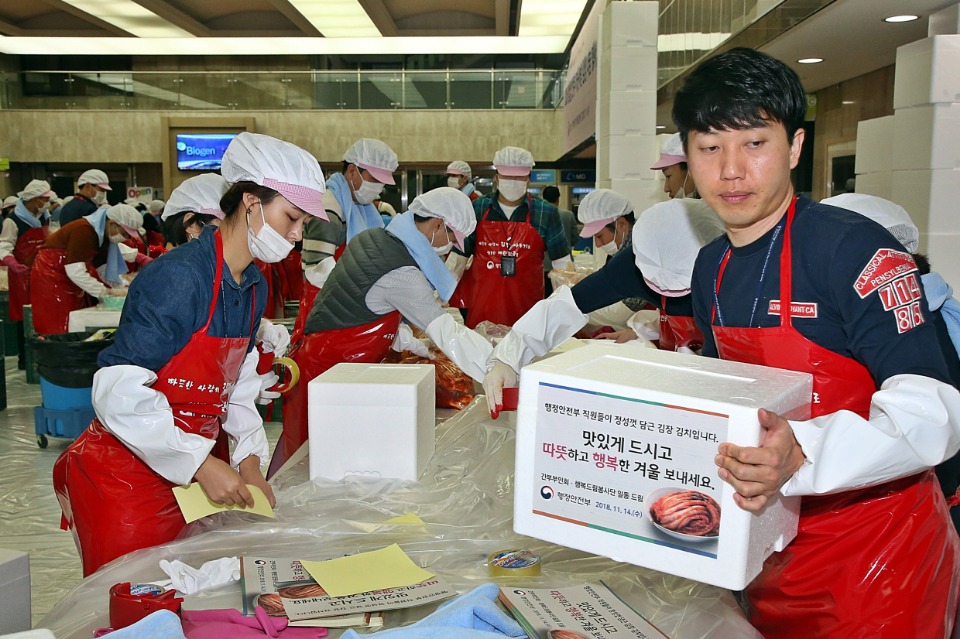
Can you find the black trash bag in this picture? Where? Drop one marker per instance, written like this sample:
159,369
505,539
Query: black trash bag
66,360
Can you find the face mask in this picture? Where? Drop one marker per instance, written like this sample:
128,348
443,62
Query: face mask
440,250
610,248
100,198
512,190
118,238
453,182
267,245
681,192
368,191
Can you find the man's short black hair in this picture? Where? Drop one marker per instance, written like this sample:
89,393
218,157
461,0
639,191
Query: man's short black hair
740,89
551,194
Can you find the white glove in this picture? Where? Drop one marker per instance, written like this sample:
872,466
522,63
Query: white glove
319,272
128,253
646,324
500,376
548,324
914,424
268,380
188,580
465,348
77,272
275,337
405,341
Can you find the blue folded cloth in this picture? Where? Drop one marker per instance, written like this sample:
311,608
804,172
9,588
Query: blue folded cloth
161,624
474,615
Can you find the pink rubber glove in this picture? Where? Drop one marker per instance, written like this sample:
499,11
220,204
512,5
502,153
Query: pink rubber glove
228,622
14,266
142,260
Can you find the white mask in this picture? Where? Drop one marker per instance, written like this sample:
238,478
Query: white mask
440,250
368,192
453,182
681,192
512,190
118,238
100,198
610,248
267,245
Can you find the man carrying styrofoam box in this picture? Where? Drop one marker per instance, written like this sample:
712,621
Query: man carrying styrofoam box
798,285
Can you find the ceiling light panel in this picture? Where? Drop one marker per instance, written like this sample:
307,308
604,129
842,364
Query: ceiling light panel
337,18
550,17
130,17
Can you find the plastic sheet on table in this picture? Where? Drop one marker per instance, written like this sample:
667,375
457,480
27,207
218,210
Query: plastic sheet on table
466,504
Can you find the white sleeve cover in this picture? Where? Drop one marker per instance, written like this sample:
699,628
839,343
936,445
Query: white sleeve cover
546,325
128,253
77,272
646,324
243,422
141,418
561,263
8,238
466,348
914,424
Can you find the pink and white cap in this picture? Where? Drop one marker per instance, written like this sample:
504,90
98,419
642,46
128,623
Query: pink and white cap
278,165
459,167
513,161
374,156
450,205
601,207
666,240
35,189
95,177
129,218
671,153
199,194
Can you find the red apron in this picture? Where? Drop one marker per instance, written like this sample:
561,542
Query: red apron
292,276
677,331
24,251
877,562
317,352
114,502
487,294
308,294
52,293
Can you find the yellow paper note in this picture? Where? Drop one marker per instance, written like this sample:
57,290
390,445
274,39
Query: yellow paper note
194,503
385,568
410,519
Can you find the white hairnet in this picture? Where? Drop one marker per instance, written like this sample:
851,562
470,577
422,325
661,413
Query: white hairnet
199,194
374,156
157,205
450,205
599,208
671,152
10,200
513,161
459,167
278,165
126,216
887,214
666,240
96,177
34,189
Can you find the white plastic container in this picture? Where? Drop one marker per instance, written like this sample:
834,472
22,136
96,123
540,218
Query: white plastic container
603,432
14,591
376,420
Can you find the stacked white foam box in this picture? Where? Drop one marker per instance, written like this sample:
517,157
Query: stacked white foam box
926,159
604,431
373,420
874,160
627,101
14,591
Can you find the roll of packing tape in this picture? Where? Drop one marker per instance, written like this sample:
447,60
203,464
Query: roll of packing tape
288,377
129,604
513,563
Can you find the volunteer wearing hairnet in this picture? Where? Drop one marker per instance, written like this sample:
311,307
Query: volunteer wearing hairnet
458,176
21,236
192,206
677,181
161,402
666,240
514,232
803,286
78,263
8,203
92,187
153,229
385,274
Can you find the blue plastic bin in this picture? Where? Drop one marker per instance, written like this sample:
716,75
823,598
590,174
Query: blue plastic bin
64,399
60,423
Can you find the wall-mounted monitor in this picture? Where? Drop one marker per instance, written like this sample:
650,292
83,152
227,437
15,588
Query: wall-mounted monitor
201,151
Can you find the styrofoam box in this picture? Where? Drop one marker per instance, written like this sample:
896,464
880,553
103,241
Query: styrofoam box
377,420
14,591
629,69
878,184
623,156
926,72
930,197
875,145
604,432
927,137
626,112
629,24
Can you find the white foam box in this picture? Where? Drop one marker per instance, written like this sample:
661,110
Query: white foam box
629,25
14,591
875,145
604,432
627,113
878,184
926,72
927,137
929,196
374,420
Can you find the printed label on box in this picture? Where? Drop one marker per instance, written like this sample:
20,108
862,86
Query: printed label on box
629,467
